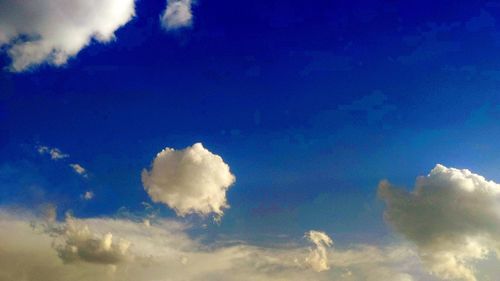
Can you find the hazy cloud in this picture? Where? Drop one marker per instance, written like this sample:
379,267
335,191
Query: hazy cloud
108,249
55,153
79,169
88,195
177,14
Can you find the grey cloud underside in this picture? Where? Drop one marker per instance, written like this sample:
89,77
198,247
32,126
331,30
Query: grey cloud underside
452,216
52,31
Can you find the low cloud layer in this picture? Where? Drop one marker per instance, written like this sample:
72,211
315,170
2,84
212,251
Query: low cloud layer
52,31
453,217
80,244
190,181
108,249
177,14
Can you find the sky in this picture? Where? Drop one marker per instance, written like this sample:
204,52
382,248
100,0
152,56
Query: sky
258,140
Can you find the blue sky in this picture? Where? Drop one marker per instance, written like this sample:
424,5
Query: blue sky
310,104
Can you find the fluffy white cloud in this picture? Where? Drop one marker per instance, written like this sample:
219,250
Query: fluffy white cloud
453,217
164,251
191,180
51,31
55,153
318,259
177,14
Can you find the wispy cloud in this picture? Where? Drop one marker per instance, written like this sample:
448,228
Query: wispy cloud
79,169
88,195
55,153
177,14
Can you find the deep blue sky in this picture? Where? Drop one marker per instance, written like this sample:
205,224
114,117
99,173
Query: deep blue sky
310,103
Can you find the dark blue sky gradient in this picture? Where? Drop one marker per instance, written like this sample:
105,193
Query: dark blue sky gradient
310,103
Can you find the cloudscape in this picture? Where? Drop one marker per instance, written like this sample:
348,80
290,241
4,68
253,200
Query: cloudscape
200,140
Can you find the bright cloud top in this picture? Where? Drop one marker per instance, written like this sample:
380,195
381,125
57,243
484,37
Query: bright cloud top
190,181
317,258
177,14
452,215
52,31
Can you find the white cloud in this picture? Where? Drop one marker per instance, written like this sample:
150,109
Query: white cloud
79,169
190,181
453,217
55,153
318,259
51,31
177,14
87,250
88,195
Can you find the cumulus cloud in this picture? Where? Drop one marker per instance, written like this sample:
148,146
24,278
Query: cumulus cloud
80,244
79,169
317,258
51,31
86,250
177,14
190,181
452,216
55,153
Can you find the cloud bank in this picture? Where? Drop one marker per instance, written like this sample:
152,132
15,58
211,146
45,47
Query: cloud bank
80,244
108,249
190,181
52,31
452,216
177,14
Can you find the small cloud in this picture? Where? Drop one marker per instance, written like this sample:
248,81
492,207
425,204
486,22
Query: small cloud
190,181
55,153
88,195
177,14
79,169
318,259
